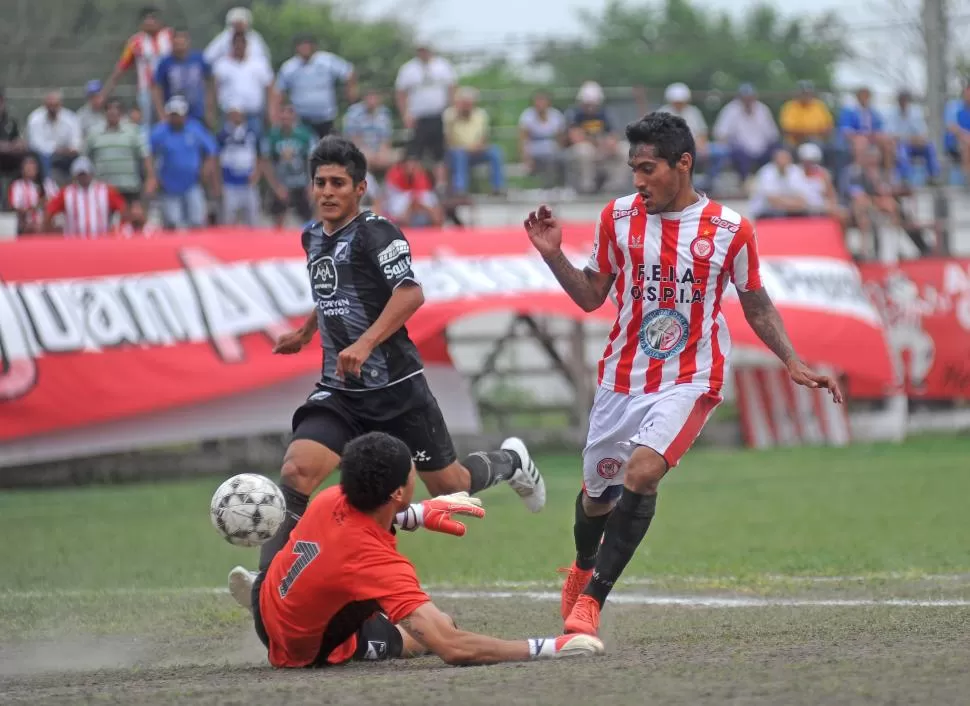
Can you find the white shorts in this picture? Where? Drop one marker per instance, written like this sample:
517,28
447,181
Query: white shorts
667,421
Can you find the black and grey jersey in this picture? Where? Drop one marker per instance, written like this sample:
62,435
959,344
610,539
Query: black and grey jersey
353,273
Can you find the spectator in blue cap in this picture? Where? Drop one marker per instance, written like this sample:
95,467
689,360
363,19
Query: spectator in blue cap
91,114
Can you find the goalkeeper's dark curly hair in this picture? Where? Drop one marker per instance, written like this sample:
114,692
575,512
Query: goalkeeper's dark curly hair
372,467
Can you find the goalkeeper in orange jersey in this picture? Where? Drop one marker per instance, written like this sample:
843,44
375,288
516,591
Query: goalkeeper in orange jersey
339,590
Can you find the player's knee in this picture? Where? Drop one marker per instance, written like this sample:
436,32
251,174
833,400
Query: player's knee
644,471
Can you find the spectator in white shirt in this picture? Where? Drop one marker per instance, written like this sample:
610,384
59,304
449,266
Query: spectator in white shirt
746,127
243,80
54,134
239,20
907,125
542,133
424,87
781,190
709,157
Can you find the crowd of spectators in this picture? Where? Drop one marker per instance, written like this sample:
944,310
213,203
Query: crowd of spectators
216,136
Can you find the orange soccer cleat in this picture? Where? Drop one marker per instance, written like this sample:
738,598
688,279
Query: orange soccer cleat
576,581
585,617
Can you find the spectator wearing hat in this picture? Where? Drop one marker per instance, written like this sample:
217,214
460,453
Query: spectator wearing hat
309,79
594,150
13,147
54,135
709,157
907,126
746,127
243,80
821,187
425,87
239,20
467,137
90,116
88,205
183,151
806,118
186,73
119,152
409,197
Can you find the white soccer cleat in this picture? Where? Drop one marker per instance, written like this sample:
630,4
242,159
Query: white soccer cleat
526,481
579,645
241,582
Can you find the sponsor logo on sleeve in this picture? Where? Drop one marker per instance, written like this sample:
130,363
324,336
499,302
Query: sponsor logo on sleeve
392,252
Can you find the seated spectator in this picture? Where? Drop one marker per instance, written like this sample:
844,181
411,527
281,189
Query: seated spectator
88,205
781,190
182,152
244,80
13,147
820,181
709,156
542,134
868,187
54,135
467,137
865,121
288,147
806,118
186,73
594,151
368,125
239,20
409,196
136,225
907,126
747,128
243,165
958,132
90,116
118,152
28,196
309,79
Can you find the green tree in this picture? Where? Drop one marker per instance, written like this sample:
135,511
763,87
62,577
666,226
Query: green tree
654,44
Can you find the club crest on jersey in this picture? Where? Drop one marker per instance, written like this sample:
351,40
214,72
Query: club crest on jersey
726,225
608,468
323,277
663,333
341,252
702,248
625,213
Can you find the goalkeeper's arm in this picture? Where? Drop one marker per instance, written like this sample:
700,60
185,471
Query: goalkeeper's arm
438,633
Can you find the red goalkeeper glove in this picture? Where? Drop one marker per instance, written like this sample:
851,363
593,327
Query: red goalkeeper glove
436,514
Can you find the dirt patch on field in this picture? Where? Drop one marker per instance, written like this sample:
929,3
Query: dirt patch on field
791,655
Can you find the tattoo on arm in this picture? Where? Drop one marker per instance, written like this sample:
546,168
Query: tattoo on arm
765,321
582,286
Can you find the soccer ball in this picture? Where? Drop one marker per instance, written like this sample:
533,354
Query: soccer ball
247,509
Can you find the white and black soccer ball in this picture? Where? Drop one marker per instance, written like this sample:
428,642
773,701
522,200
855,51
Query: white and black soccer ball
247,509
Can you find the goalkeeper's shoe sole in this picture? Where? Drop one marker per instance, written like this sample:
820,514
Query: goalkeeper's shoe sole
526,481
241,582
579,645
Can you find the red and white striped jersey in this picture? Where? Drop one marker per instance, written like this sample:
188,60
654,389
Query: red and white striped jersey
87,211
26,196
144,51
671,272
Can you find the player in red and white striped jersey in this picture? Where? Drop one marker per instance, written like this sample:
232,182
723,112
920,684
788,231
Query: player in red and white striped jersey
666,254
87,205
27,197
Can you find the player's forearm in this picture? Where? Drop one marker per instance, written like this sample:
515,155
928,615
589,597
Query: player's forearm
309,326
575,282
399,308
766,322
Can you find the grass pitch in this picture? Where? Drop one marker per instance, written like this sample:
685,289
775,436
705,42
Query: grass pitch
112,592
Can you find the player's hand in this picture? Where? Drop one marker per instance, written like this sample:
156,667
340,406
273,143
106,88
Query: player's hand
352,358
544,231
436,514
803,375
291,342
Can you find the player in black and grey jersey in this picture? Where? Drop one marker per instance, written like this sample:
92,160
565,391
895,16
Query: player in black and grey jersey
365,291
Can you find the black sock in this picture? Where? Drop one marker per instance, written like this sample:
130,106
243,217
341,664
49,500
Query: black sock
587,531
625,530
490,467
296,503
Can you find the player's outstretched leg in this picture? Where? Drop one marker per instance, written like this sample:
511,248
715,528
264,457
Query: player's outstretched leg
513,464
625,529
588,527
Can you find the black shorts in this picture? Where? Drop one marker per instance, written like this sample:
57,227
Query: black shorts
378,639
407,410
297,200
429,138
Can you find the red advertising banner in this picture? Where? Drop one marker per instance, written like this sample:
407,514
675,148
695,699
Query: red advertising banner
926,308
92,331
